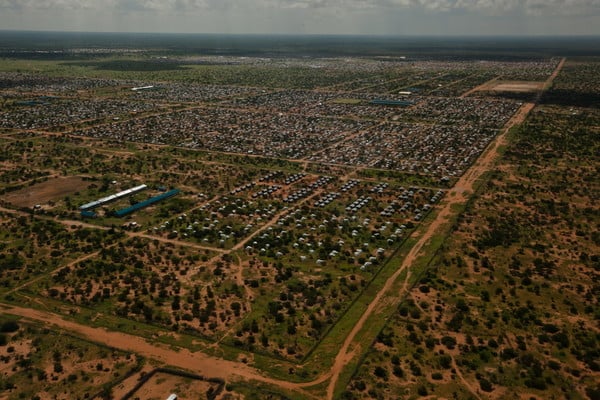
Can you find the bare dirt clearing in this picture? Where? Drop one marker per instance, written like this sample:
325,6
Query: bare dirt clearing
181,358
57,367
521,87
44,192
495,85
161,385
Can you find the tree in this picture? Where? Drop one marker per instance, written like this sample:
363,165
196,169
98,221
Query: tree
236,307
58,368
381,372
449,342
485,385
175,305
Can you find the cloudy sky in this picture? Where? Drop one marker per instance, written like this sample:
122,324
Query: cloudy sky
387,17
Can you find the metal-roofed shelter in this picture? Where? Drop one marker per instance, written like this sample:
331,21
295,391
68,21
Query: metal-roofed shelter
112,197
142,204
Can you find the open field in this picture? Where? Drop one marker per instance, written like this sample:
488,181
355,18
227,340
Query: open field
314,242
45,192
517,86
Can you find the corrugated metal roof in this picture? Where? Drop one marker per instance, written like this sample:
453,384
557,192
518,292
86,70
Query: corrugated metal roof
125,211
104,200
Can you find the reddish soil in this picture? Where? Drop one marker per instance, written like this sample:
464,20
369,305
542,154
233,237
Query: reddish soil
464,381
215,367
161,385
496,85
519,87
483,86
460,194
182,358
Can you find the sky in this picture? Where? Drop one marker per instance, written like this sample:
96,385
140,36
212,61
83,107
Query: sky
374,17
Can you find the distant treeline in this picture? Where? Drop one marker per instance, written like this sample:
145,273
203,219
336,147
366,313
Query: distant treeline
52,45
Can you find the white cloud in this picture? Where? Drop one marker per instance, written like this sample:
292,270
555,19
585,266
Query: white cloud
493,7
529,7
389,17
46,4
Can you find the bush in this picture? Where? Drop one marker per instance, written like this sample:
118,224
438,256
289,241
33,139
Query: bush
398,371
449,342
382,373
360,386
485,385
508,354
9,327
593,393
445,361
58,368
536,383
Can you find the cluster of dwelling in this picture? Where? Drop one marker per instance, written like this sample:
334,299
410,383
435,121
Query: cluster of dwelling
323,104
404,131
186,93
54,113
443,137
233,130
88,209
354,236
35,83
346,212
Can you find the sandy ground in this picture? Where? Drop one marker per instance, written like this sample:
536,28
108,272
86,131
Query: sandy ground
120,390
496,85
182,358
71,364
161,385
483,86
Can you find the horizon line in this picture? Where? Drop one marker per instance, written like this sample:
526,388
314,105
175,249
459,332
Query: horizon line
366,35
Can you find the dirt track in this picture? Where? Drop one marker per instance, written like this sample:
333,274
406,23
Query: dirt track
182,358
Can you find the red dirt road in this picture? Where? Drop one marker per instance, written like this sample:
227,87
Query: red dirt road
209,366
